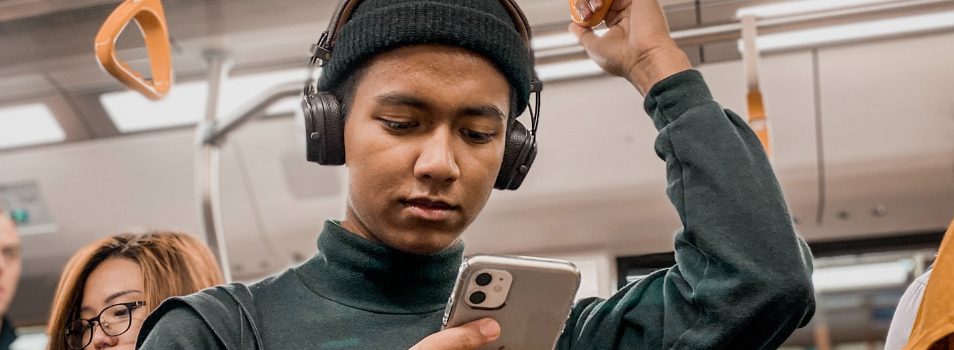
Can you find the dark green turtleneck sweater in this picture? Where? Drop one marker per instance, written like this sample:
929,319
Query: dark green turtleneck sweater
742,280
354,294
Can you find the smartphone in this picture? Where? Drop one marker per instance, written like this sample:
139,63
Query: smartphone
530,298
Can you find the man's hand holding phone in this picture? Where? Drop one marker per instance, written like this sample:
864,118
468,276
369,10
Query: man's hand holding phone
469,336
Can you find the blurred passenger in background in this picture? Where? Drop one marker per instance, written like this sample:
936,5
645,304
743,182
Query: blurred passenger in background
906,313
932,316
108,287
10,266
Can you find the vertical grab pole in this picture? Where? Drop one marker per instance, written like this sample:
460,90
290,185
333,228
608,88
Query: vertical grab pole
758,120
207,165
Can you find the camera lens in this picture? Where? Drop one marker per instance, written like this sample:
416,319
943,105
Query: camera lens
484,279
478,297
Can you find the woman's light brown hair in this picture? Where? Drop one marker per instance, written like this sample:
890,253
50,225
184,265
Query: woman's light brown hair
172,264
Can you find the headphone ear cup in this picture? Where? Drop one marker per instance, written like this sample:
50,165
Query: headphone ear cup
324,129
519,154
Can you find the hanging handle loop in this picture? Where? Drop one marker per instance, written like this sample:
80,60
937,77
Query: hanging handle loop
758,119
151,19
589,13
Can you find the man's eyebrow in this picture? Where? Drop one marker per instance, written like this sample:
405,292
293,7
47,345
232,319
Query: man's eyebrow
482,110
118,294
401,99
397,98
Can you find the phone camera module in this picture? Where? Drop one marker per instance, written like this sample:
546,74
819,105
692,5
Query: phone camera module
485,288
484,279
478,297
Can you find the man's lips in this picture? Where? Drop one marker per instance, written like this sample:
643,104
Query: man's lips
429,203
430,209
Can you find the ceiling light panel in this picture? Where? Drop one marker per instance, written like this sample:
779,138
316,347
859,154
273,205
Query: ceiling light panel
865,276
132,112
185,103
29,124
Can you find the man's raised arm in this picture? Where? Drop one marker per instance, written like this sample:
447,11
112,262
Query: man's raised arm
743,278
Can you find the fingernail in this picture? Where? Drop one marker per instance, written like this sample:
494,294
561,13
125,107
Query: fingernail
582,10
490,329
595,4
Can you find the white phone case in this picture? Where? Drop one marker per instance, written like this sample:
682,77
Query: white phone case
532,314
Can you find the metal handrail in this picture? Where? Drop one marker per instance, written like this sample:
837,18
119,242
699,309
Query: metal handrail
733,31
217,131
211,135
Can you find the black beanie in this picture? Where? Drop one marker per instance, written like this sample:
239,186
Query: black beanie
481,26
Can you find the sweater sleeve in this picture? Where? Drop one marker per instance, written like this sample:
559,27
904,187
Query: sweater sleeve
742,278
179,328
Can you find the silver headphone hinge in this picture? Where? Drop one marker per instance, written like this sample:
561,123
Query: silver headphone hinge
321,51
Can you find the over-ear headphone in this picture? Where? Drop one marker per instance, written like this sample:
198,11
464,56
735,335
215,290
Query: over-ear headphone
324,119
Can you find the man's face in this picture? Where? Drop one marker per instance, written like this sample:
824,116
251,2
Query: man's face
10,264
424,141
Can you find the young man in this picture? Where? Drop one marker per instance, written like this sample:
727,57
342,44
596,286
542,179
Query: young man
10,267
429,91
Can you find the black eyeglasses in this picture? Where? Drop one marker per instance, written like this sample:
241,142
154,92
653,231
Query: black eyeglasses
114,320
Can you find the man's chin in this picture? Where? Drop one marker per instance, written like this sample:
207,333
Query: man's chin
422,242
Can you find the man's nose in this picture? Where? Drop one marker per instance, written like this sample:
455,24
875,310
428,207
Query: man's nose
101,339
437,161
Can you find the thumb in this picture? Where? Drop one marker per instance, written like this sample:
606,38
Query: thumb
469,336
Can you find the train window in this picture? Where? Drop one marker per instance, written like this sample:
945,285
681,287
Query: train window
858,285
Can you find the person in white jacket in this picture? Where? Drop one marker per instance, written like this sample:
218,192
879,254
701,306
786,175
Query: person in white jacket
906,313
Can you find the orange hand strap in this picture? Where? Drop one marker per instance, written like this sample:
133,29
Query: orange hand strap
152,20
757,119
597,15
755,102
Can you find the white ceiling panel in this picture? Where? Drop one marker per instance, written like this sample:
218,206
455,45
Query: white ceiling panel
888,126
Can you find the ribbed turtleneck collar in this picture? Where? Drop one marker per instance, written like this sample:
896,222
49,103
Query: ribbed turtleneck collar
356,272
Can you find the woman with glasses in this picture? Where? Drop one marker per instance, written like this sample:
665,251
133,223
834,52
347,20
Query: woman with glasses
109,287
